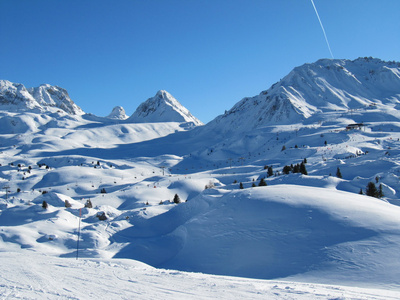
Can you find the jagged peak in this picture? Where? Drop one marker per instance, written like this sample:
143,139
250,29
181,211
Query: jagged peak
163,107
16,97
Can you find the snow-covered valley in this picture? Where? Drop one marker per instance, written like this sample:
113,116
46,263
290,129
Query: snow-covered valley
317,139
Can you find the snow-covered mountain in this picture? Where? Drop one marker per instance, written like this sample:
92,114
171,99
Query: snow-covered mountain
118,113
163,107
15,97
324,86
314,227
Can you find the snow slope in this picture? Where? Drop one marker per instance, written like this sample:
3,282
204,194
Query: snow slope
28,275
312,228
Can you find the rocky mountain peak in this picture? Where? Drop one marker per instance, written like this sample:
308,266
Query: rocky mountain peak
118,113
163,107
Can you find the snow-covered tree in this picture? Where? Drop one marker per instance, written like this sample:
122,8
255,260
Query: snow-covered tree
88,204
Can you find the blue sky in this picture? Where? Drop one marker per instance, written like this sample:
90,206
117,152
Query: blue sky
208,54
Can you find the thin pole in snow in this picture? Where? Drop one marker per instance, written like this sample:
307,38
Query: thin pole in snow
79,233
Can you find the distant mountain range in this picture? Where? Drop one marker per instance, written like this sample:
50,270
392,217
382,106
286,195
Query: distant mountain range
324,86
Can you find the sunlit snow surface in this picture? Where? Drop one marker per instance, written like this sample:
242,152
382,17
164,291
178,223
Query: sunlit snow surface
313,228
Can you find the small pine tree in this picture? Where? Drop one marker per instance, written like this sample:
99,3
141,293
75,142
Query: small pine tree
262,182
305,160
286,170
45,205
67,204
377,179
270,171
177,200
361,192
338,173
103,191
88,204
303,169
283,148
253,185
371,190
241,186
380,192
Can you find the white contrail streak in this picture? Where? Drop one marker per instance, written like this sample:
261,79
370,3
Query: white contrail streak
322,26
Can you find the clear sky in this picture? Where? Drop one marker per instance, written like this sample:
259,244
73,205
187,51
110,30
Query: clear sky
208,54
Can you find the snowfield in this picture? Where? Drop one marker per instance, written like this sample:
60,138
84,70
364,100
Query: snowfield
111,181
28,275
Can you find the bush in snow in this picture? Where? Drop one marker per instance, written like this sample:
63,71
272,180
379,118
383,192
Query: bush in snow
102,216
177,200
210,185
88,204
45,205
241,186
286,170
103,191
67,204
262,182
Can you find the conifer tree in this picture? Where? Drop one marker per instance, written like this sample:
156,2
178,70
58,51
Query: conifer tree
338,173
45,205
361,192
67,204
241,186
270,171
253,185
371,190
177,200
380,192
286,170
303,169
262,182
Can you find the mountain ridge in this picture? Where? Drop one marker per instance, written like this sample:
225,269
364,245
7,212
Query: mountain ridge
326,85
43,98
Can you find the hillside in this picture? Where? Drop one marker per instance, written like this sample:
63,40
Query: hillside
314,227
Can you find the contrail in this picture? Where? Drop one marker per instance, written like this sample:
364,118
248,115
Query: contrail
322,26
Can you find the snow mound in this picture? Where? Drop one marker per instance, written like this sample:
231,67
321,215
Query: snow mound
272,232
